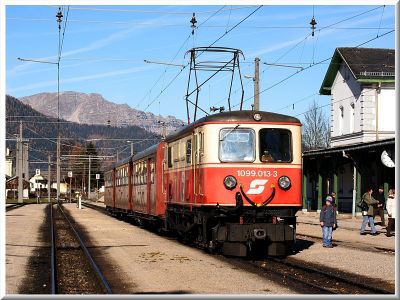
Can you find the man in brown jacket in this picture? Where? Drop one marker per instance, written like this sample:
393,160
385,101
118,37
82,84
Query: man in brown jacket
368,216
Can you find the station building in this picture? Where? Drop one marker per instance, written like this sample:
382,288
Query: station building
361,84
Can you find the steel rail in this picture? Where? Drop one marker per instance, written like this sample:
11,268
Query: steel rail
53,253
329,275
87,253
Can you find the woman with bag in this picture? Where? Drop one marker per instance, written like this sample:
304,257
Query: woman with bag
368,216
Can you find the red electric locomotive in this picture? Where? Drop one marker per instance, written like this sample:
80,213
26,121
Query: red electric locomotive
229,181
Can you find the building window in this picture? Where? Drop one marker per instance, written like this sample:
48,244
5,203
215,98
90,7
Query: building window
341,117
352,116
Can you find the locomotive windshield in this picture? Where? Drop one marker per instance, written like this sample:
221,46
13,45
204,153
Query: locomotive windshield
236,145
275,145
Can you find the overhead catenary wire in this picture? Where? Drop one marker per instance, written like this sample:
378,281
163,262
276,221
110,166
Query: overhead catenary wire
63,35
312,65
176,54
331,103
330,26
213,43
154,11
160,24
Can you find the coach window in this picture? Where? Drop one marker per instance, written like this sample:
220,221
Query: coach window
275,145
188,151
144,172
236,145
152,172
169,157
135,181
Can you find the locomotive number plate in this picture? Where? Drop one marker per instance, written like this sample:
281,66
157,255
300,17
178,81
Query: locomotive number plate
255,173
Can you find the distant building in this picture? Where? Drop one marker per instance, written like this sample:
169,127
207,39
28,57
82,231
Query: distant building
9,163
12,188
37,183
361,83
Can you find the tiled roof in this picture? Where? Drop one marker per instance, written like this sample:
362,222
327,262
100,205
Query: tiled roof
366,64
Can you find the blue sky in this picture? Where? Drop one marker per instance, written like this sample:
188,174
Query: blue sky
105,47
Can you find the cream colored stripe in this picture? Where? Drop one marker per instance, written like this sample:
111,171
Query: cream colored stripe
238,166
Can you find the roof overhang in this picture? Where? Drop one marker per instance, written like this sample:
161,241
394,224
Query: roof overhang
331,73
352,147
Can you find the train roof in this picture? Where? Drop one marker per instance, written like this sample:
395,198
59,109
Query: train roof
137,156
146,152
232,117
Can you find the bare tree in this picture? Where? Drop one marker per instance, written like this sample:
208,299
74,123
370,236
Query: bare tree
316,131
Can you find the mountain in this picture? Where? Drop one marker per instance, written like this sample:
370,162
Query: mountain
41,131
94,109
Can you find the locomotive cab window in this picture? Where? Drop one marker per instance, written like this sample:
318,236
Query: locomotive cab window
236,145
275,145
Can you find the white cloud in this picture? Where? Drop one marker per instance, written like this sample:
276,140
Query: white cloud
78,79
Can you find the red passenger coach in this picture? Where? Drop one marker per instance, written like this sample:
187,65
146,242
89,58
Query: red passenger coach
229,181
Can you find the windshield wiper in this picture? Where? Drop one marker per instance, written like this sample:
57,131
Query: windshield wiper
234,128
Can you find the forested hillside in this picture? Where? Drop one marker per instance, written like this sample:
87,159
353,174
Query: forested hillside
42,133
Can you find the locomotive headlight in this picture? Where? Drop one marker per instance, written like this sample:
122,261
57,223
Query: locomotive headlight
230,182
284,182
257,117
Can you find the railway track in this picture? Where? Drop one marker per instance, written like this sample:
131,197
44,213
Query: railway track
307,278
315,280
73,269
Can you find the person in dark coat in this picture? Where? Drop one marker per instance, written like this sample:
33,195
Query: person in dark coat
368,216
327,219
379,208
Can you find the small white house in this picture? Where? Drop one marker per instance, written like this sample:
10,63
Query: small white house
37,182
361,83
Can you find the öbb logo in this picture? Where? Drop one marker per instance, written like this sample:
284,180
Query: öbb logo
257,186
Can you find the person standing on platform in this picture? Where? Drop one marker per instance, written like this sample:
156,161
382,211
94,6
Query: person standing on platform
333,195
368,216
379,208
327,219
391,209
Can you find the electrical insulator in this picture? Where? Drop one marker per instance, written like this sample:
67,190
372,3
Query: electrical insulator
313,23
193,21
59,16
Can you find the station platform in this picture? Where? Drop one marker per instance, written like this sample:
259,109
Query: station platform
348,230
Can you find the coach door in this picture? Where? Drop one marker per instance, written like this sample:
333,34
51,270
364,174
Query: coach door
148,187
198,141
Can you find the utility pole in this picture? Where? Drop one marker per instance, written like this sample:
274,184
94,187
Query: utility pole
59,20
90,159
131,148
49,180
256,84
19,165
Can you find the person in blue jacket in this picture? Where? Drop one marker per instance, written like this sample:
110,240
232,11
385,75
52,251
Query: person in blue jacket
327,219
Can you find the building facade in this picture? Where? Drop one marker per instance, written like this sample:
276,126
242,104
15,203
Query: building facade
361,84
